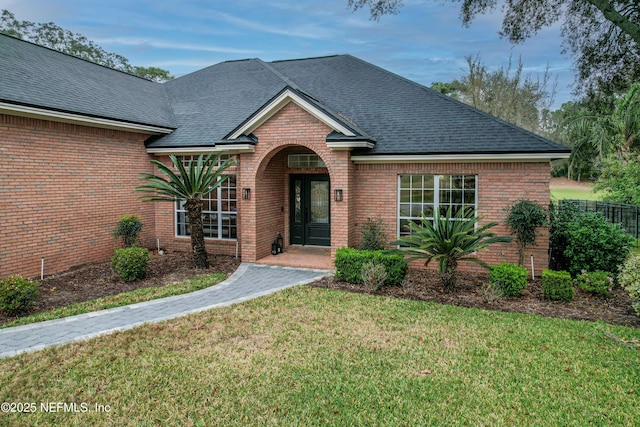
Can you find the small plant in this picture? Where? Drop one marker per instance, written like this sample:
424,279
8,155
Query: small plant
597,282
629,279
508,279
128,228
557,285
373,237
374,275
524,218
449,240
130,263
17,294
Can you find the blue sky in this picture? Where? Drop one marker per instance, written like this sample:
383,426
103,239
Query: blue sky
426,42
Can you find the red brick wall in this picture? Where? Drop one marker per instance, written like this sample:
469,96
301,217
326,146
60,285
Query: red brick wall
500,185
63,188
288,131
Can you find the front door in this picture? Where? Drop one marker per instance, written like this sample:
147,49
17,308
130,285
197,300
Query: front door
310,221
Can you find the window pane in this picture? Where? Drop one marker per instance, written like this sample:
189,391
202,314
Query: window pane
456,196
456,181
405,196
428,181
416,210
416,196
405,181
428,196
428,210
405,209
469,197
445,181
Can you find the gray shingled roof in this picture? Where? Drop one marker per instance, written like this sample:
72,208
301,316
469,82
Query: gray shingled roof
205,107
402,116
32,75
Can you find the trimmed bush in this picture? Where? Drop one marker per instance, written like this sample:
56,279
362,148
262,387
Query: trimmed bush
349,264
585,241
18,295
597,282
629,279
128,228
508,279
130,263
374,275
373,237
557,285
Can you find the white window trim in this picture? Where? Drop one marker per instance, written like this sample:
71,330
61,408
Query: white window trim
436,195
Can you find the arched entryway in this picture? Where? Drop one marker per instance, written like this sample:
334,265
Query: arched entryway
292,199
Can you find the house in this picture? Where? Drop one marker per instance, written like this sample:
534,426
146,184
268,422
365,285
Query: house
321,145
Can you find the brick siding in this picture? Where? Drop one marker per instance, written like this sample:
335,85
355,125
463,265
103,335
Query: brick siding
63,188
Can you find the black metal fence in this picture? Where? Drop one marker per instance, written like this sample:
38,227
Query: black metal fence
628,216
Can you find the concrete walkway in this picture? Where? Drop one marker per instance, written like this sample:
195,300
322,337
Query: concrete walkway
249,281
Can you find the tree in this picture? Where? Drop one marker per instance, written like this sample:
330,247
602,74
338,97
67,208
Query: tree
54,37
449,240
509,95
602,35
524,218
190,184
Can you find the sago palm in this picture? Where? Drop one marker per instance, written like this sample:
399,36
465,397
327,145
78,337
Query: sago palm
190,184
449,240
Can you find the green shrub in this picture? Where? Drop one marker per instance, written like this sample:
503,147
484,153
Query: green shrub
524,218
128,228
349,264
374,275
586,241
557,285
629,279
130,263
373,237
508,279
17,294
597,282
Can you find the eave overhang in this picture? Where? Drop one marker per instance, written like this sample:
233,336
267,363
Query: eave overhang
457,158
79,119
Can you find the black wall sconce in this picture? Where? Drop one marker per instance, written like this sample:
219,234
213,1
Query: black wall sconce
246,194
337,195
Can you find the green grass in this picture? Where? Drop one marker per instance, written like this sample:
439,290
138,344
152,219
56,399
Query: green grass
309,356
575,193
125,298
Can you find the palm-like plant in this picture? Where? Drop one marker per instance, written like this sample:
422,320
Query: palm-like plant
190,184
449,240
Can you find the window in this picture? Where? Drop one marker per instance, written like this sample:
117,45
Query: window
428,194
305,161
186,159
219,214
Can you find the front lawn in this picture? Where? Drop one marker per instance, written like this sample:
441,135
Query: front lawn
312,356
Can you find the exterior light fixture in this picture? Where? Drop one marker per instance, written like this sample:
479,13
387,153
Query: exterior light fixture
337,195
246,194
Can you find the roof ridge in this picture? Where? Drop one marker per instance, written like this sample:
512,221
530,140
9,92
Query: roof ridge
471,108
281,76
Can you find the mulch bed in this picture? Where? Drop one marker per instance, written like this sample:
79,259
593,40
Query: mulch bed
93,281
97,280
472,291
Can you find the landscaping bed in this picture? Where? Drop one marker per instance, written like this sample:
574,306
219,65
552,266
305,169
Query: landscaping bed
98,280
472,291
94,281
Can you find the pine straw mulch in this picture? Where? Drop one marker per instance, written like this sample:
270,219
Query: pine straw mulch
472,291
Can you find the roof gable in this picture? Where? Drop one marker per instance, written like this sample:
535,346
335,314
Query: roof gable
283,98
